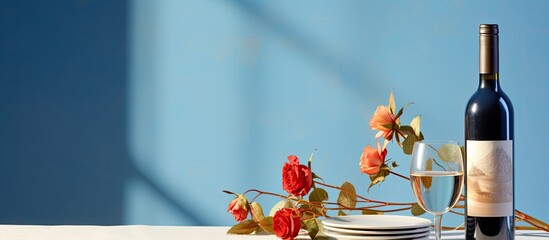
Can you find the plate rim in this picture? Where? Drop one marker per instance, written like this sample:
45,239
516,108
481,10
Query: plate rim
379,237
332,222
377,232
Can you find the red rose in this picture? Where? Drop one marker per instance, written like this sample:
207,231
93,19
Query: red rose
372,159
296,179
286,223
383,120
239,208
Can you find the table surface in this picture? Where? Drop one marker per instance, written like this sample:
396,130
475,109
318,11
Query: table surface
138,232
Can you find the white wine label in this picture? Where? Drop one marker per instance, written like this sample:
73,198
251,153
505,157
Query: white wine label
489,178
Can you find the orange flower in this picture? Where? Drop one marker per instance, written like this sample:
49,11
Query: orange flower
372,159
383,120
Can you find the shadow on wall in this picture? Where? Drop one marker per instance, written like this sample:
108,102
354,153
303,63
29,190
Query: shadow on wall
62,112
63,123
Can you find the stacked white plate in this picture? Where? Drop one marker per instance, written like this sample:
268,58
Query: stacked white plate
372,227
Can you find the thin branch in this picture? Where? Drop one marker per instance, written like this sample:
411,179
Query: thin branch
397,174
363,198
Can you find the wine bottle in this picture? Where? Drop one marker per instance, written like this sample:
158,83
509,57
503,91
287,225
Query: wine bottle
489,146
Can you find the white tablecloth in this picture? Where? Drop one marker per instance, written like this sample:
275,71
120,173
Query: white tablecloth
134,232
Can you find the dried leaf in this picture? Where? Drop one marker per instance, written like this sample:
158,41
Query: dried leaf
279,205
415,125
379,177
429,164
428,181
406,130
311,225
257,212
371,212
450,153
392,105
417,210
347,196
408,144
267,225
318,195
402,110
244,227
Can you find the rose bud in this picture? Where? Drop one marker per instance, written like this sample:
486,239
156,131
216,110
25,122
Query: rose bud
372,159
239,208
383,120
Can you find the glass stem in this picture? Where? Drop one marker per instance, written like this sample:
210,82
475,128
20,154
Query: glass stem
438,226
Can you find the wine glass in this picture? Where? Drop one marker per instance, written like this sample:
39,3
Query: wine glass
436,172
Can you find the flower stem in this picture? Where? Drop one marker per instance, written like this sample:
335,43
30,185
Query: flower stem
259,193
532,221
363,198
398,174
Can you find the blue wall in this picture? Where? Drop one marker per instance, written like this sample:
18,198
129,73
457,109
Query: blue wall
141,112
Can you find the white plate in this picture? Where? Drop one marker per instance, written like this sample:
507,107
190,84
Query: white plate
376,232
376,222
416,236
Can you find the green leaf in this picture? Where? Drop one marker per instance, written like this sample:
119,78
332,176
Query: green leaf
371,212
402,110
415,125
347,196
417,210
408,144
311,225
341,213
379,177
407,130
392,105
244,227
257,212
318,195
321,235
450,153
279,205
267,225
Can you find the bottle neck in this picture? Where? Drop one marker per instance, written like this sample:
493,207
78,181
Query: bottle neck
489,57
489,82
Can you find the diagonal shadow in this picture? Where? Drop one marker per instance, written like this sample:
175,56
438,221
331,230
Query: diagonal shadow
192,214
309,46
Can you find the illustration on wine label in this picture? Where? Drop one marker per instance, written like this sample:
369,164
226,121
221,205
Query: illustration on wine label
489,178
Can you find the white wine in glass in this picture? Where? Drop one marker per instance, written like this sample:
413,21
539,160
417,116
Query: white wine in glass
437,177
